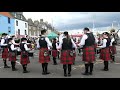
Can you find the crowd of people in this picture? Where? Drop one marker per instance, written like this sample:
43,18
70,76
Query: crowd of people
63,47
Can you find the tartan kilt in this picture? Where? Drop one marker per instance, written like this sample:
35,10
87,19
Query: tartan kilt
54,53
12,58
113,50
42,58
5,53
24,60
88,54
105,54
66,58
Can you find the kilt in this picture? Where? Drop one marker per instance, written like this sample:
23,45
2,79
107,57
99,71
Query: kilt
12,58
54,53
42,58
24,60
88,54
66,58
5,53
105,54
113,50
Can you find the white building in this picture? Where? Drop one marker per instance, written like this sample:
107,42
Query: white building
21,27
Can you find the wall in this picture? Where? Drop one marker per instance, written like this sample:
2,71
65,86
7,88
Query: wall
21,26
4,25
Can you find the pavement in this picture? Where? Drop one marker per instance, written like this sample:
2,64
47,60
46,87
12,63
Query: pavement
56,71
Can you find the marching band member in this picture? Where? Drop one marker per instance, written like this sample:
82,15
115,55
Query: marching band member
87,43
54,51
24,60
12,54
66,46
4,45
105,52
44,57
112,47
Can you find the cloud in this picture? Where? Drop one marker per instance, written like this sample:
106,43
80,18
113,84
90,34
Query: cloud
76,20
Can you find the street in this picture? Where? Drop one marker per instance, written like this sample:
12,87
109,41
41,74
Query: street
56,71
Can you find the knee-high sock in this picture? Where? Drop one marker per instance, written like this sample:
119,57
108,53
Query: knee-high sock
5,62
46,66
54,60
43,67
24,67
13,64
69,68
86,68
105,64
91,67
65,68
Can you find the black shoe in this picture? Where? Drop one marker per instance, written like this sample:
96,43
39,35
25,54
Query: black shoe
26,71
14,69
65,75
105,69
69,74
6,66
90,73
47,72
43,73
55,64
85,73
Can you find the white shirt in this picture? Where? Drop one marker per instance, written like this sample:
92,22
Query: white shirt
49,44
84,37
104,44
2,42
13,48
26,47
112,40
61,42
61,37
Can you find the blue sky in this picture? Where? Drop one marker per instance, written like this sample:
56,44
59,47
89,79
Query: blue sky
76,20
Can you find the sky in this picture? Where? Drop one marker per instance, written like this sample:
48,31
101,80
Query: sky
76,20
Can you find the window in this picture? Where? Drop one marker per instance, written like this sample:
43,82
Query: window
9,29
8,20
25,32
18,31
25,25
16,23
